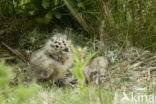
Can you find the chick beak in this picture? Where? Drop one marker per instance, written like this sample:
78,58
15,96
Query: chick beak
66,50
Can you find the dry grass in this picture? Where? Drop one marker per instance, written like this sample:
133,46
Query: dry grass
131,69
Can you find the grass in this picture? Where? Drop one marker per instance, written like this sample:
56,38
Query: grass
132,69
124,66
120,20
90,95
124,77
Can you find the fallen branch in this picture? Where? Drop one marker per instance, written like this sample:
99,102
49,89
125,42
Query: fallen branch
17,53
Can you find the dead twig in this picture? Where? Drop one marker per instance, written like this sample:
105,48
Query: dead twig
17,53
58,7
79,17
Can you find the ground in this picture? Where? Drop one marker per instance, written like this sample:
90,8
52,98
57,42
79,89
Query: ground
132,72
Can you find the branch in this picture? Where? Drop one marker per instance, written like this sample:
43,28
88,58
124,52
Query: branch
17,53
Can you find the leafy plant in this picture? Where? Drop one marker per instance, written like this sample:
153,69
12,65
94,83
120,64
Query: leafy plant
21,92
6,74
121,19
80,62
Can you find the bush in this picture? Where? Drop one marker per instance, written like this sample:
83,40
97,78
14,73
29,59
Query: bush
130,22
13,94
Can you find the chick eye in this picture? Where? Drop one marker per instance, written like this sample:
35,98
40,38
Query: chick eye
56,46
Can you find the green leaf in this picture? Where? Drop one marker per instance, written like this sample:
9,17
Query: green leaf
48,17
6,74
81,5
56,2
57,15
45,3
40,20
31,12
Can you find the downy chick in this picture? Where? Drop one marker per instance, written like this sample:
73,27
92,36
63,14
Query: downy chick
96,69
53,60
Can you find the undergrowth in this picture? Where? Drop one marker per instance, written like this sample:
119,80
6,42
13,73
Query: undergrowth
13,94
36,94
129,23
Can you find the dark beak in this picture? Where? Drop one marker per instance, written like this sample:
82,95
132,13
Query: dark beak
66,50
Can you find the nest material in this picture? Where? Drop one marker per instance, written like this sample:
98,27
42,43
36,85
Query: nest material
134,68
130,68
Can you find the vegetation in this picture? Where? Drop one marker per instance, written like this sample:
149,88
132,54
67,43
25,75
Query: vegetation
80,63
38,94
126,27
13,95
131,22
26,94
